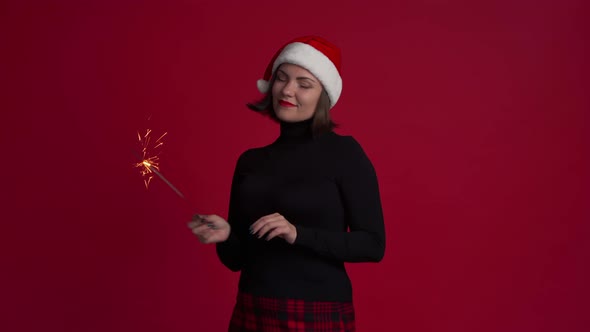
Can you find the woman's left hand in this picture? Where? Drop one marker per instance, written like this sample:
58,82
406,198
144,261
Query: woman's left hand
274,225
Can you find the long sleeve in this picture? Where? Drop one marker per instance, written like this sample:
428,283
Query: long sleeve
325,186
232,251
365,240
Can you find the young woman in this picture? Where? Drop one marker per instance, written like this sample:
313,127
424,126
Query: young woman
301,206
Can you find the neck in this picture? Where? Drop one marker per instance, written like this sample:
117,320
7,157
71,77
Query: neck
292,132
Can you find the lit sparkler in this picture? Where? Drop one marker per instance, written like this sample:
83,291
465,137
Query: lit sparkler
150,160
149,163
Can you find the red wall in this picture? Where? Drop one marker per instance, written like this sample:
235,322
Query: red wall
475,115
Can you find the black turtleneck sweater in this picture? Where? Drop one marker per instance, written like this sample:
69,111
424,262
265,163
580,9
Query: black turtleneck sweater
327,188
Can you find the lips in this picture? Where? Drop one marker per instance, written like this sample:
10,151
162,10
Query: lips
286,103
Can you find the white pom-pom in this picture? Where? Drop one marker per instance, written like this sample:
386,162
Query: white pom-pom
262,86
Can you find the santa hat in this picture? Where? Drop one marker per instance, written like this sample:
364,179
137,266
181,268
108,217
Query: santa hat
317,55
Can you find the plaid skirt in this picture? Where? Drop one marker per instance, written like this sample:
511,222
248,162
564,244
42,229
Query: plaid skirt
255,313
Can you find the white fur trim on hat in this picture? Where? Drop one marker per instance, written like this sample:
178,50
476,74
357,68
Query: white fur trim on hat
262,85
315,62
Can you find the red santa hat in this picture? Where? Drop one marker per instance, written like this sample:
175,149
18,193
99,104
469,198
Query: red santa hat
317,55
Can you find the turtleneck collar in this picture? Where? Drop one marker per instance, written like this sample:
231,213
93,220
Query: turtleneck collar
294,132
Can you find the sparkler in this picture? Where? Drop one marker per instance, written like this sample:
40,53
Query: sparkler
149,163
150,160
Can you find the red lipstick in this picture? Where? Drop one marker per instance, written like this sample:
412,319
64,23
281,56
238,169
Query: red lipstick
286,103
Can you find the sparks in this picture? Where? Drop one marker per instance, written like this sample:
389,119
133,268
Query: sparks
150,160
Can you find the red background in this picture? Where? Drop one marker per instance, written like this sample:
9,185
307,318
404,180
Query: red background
475,115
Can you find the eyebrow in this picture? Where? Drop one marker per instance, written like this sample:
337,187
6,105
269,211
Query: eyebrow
300,77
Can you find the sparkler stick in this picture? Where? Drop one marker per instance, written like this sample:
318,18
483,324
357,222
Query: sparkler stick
149,163
153,169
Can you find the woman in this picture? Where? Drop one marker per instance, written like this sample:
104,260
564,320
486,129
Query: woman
300,207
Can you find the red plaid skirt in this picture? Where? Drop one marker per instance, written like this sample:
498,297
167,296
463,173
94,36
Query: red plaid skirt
254,313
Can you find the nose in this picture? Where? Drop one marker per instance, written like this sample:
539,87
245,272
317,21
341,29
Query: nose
288,89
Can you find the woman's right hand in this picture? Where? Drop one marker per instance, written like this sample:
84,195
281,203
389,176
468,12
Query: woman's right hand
210,228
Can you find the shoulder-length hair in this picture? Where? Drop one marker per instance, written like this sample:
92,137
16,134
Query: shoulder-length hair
321,123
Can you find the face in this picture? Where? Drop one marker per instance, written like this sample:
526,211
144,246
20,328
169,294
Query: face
295,93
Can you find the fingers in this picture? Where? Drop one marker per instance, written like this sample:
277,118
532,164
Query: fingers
204,232
272,225
261,225
280,230
212,221
201,229
212,228
196,220
193,224
268,227
209,228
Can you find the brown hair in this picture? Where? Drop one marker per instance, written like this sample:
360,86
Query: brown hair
322,122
